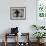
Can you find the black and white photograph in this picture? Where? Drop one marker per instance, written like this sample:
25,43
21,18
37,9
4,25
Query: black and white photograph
17,13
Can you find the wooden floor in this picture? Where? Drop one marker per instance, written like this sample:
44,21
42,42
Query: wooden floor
13,44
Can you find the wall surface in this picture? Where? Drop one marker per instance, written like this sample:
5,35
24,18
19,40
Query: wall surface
24,25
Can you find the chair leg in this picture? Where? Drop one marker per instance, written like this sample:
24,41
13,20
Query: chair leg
5,39
5,43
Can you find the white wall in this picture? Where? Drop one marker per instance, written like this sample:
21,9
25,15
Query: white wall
24,25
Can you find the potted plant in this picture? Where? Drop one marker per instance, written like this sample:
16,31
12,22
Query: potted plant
39,35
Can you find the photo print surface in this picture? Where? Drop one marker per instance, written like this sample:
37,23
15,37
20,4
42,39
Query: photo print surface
17,13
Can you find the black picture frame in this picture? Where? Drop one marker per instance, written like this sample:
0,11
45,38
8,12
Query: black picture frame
18,13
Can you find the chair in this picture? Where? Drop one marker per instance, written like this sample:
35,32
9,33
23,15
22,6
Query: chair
14,32
7,35
26,41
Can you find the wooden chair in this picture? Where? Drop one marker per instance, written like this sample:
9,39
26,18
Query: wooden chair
25,36
8,34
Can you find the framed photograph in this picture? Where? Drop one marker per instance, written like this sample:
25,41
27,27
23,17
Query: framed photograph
18,13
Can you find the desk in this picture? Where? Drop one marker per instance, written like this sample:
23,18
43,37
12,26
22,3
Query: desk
17,43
